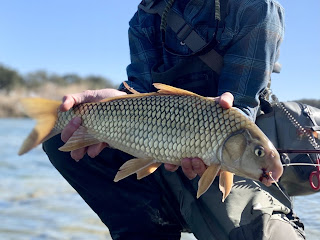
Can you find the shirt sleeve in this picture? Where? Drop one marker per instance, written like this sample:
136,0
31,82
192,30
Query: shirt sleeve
145,50
253,32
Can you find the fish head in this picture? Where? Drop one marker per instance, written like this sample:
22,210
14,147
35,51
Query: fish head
249,153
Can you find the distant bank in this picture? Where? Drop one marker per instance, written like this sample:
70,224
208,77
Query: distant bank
11,108
9,102
41,83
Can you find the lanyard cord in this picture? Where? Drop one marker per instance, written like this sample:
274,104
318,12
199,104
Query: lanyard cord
217,10
296,124
164,15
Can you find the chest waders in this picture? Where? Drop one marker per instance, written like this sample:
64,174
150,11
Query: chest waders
251,211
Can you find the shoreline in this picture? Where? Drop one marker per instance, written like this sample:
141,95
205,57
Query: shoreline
11,108
9,102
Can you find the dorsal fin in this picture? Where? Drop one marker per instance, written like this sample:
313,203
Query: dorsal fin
130,89
163,89
136,95
166,89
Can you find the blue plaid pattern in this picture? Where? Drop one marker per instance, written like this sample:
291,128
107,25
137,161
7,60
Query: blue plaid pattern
249,41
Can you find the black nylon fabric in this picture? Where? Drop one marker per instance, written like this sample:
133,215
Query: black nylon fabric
190,74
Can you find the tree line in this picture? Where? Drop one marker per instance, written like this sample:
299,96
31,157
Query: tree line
10,79
311,102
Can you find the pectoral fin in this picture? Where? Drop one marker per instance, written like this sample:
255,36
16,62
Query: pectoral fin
80,138
133,166
225,183
207,178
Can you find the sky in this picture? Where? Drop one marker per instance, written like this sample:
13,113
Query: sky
90,38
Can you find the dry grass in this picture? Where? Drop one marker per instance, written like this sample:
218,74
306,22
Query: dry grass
9,103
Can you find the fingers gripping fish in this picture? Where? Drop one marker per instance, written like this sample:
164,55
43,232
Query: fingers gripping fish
164,127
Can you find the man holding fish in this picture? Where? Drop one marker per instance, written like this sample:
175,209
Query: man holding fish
166,47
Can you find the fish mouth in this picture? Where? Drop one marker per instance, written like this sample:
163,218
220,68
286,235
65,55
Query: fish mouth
265,176
272,171
268,177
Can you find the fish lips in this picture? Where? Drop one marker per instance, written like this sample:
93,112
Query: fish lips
274,171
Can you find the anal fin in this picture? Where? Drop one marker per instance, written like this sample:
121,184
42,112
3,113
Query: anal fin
80,138
132,166
207,178
225,183
147,170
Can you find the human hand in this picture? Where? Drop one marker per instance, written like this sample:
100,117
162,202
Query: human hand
192,167
71,100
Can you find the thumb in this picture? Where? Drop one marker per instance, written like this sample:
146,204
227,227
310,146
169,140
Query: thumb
67,102
70,100
226,100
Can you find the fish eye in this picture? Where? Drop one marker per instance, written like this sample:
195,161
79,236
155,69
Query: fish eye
259,151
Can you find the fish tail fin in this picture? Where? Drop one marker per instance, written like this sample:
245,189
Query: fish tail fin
45,113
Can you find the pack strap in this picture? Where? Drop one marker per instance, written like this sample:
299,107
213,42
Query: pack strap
185,34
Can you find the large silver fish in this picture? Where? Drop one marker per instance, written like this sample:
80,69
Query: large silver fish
164,127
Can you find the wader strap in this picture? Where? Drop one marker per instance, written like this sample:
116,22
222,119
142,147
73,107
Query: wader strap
186,34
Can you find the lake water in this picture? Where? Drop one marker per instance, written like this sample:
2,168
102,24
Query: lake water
36,203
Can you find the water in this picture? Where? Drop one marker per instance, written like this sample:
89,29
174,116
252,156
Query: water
37,204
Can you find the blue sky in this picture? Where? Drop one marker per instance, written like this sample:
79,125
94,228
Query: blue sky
90,37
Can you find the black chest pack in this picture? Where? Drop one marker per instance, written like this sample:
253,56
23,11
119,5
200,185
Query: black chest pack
294,128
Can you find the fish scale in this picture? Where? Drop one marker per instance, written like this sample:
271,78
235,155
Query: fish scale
163,127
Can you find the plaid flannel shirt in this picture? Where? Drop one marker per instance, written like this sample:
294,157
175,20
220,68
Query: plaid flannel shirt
249,42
